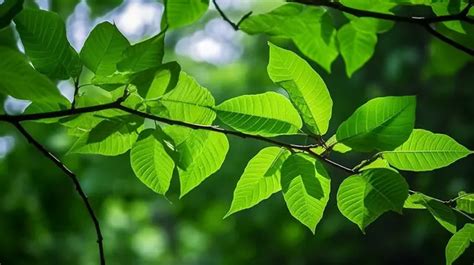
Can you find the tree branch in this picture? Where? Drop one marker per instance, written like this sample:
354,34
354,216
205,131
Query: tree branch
425,22
447,40
74,179
15,120
408,19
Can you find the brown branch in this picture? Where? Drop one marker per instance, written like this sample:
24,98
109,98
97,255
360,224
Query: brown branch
74,179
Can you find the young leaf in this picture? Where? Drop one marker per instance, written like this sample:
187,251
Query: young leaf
43,35
442,213
111,137
19,80
151,162
458,243
180,13
465,202
188,102
143,55
425,151
356,46
380,124
310,28
103,49
306,88
267,114
306,186
201,154
261,178
364,197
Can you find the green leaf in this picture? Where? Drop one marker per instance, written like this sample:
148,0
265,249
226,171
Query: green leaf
201,154
306,186
143,55
180,13
458,243
426,151
364,197
188,102
103,49
164,80
370,25
444,8
306,88
377,163
338,147
380,124
267,114
151,162
382,6
43,35
261,178
8,10
100,7
111,137
19,80
356,46
310,28
465,202
414,201
441,212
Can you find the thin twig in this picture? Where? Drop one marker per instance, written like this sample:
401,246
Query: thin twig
74,179
463,214
449,41
235,26
76,90
462,15
117,105
425,22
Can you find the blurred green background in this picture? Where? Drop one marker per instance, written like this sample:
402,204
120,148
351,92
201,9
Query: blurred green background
42,220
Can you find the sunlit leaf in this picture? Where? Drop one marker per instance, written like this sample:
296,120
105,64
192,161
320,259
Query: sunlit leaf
18,79
180,13
43,35
364,197
111,137
310,28
465,202
143,55
103,49
380,124
151,162
306,186
458,243
356,46
425,151
261,178
441,212
188,101
201,155
306,88
267,114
